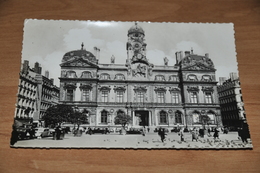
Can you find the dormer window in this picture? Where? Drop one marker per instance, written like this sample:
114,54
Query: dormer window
119,77
192,78
105,76
159,78
71,74
86,74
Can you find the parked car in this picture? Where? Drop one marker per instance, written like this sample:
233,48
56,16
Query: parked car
97,130
134,131
44,132
25,132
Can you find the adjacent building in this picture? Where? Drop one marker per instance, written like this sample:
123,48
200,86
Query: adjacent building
231,102
182,94
36,93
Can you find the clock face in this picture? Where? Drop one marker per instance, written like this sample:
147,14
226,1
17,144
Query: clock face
139,56
137,45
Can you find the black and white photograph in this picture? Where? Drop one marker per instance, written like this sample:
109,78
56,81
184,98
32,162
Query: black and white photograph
129,85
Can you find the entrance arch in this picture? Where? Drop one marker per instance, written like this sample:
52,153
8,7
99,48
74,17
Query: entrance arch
142,118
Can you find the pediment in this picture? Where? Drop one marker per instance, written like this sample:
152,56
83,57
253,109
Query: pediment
78,62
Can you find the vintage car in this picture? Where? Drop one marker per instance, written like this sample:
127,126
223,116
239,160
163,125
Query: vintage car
25,132
44,132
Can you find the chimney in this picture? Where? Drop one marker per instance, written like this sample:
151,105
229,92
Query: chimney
25,66
47,73
178,57
37,68
233,76
222,80
52,81
206,55
187,53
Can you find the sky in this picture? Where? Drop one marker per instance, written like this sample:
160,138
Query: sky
46,41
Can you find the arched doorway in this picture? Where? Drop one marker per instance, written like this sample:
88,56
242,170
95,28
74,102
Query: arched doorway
142,117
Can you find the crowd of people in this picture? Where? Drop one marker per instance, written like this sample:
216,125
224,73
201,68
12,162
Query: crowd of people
197,133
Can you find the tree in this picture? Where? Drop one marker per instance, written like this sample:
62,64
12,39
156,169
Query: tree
122,119
57,114
78,118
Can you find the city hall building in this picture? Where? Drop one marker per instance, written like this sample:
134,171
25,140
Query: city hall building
155,96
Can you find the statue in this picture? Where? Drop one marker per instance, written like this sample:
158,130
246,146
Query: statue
166,61
112,59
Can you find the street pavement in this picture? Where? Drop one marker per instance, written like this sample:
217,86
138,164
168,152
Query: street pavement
149,141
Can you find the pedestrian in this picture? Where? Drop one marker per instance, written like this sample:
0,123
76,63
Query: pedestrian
14,137
194,134
201,132
181,134
161,133
243,135
144,131
209,132
58,132
216,134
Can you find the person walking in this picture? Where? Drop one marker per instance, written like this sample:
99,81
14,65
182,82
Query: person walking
181,134
216,134
161,133
194,134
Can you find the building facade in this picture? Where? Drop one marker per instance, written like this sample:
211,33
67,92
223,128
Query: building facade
153,95
36,93
231,102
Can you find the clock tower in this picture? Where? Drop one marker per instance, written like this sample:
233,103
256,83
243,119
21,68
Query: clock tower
137,63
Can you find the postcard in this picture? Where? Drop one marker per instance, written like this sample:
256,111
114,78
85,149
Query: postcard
129,85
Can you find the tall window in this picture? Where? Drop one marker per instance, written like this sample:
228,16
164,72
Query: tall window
163,117
104,96
208,97
160,97
178,118
119,96
104,116
140,96
86,95
193,97
196,118
70,95
175,97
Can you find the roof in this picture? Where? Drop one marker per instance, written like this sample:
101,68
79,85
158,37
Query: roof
136,29
82,53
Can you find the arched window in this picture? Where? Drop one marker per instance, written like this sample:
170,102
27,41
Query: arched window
71,74
163,117
173,78
159,78
192,77
104,115
211,116
196,117
86,74
178,117
119,77
105,76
